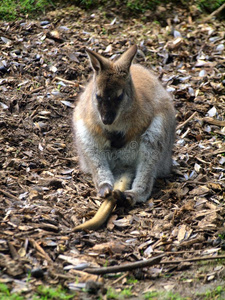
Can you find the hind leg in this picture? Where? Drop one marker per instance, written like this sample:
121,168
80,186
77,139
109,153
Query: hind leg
165,165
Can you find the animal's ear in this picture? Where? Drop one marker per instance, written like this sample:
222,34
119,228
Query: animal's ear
98,62
125,60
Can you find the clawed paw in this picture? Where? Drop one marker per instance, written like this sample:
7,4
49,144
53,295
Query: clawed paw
120,197
130,198
126,199
105,190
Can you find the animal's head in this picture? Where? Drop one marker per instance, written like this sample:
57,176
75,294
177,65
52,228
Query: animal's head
112,80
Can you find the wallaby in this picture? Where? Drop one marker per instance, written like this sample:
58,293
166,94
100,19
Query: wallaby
124,124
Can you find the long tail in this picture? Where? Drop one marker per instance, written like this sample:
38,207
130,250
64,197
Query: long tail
106,208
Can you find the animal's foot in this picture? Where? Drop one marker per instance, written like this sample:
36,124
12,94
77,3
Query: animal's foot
126,199
131,197
105,190
120,197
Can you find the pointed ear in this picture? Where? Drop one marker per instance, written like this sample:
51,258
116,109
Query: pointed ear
98,62
125,60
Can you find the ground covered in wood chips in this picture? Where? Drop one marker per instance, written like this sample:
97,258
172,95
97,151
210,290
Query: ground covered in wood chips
43,194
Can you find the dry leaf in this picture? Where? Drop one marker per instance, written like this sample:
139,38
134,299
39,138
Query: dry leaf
201,190
127,221
112,247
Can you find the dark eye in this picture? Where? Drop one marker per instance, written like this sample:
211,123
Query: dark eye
99,98
119,98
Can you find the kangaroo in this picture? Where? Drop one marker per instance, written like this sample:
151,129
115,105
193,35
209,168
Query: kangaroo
124,125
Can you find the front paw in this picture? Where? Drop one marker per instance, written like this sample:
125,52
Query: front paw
104,190
120,198
126,199
131,197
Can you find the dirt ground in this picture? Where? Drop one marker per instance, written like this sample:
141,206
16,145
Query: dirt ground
43,194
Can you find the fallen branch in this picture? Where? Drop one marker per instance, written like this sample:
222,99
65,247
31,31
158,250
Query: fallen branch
216,12
186,121
127,267
147,263
167,262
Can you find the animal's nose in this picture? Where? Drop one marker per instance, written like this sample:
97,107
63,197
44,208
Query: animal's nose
108,119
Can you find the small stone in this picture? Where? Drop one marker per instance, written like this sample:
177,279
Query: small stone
37,57
37,273
216,242
222,245
220,47
3,70
17,52
92,287
43,23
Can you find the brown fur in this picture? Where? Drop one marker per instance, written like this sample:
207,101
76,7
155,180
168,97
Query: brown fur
124,104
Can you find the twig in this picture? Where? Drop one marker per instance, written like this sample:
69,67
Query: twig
193,241
177,252
167,262
36,90
66,81
221,150
9,195
120,278
13,251
214,122
219,132
186,133
216,12
202,160
40,250
186,121
62,276
127,267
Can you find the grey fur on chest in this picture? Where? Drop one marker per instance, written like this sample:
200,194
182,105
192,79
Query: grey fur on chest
123,157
